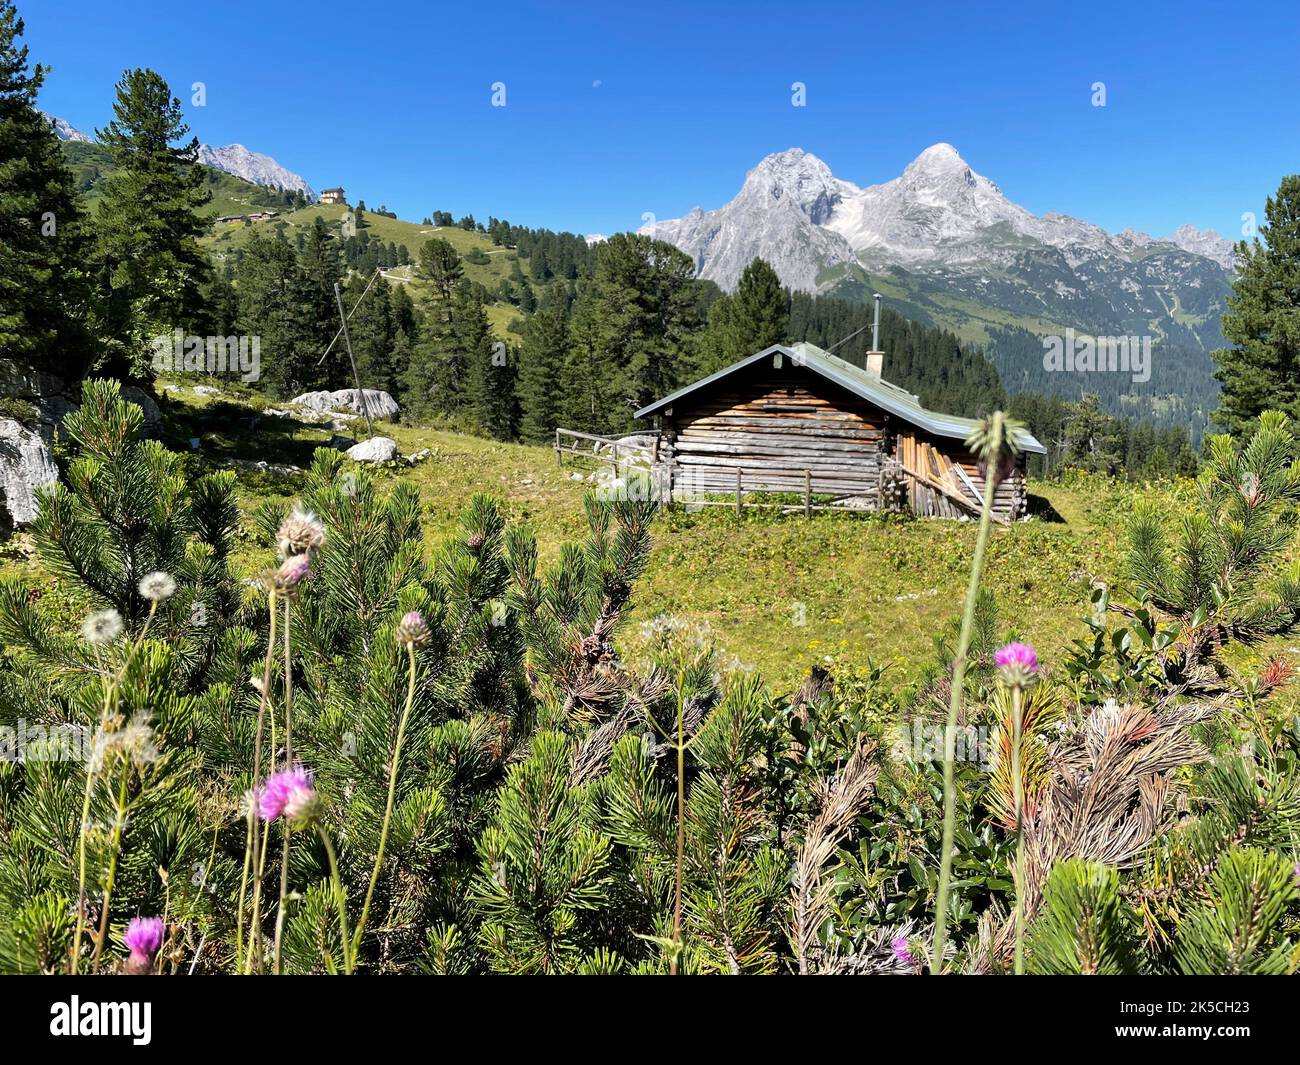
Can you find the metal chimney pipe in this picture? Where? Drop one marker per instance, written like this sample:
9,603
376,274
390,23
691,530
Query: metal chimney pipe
875,326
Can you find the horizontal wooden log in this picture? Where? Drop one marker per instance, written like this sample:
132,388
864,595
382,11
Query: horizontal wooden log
855,452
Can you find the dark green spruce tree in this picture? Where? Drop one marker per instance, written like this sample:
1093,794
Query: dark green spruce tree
42,245
321,268
640,308
148,262
371,331
541,364
1261,371
754,317
274,305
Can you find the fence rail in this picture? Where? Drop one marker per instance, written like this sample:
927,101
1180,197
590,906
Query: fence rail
612,450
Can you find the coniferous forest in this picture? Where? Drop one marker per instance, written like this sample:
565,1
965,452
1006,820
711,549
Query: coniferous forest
338,724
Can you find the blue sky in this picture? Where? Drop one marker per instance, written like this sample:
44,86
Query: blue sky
614,110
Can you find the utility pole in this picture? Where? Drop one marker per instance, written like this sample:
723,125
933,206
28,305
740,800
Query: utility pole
361,392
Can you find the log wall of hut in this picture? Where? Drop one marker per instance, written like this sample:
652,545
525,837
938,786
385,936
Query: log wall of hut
782,428
787,429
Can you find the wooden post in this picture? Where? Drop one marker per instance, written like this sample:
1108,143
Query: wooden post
807,493
737,491
559,460
347,340
615,450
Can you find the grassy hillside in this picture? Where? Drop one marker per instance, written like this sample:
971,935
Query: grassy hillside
226,238
778,593
230,195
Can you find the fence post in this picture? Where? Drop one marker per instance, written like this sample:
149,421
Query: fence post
559,460
807,493
737,491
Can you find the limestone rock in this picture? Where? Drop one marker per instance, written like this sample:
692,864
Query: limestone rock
153,419
25,465
376,449
380,404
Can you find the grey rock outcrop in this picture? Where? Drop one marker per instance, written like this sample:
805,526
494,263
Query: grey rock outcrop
376,449
25,465
380,404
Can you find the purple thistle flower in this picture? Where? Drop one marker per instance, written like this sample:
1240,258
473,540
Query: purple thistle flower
899,946
1017,654
144,936
288,793
1018,663
1295,874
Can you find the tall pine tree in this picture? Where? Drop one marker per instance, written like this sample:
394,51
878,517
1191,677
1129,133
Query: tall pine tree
754,317
1261,371
541,358
147,256
639,312
42,288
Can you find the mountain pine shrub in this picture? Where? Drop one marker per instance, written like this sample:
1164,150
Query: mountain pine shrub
384,759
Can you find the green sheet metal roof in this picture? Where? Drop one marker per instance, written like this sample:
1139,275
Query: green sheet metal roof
887,396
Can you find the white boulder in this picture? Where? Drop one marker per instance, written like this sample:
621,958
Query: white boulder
376,449
25,465
380,404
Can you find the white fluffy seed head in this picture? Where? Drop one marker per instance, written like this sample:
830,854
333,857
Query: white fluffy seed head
157,586
104,626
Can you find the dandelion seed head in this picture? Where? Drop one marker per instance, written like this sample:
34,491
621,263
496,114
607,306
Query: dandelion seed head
102,627
157,586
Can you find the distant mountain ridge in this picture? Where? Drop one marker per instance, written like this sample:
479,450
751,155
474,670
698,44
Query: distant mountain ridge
948,249
251,166
940,226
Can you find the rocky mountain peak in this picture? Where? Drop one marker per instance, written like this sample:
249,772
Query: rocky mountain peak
1205,242
255,167
797,178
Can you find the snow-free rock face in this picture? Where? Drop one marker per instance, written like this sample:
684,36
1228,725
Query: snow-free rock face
380,404
67,132
779,216
232,159
25,465
255,167
153,419
54,399
376,449
1205,242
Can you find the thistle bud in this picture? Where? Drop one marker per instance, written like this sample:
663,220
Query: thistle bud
413,630
292,572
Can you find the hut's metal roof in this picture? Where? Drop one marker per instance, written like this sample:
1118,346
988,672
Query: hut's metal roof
882,393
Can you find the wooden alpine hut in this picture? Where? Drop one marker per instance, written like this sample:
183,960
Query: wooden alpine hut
797,419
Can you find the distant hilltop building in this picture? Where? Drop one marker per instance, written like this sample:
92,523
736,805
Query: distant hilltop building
332,196
257,216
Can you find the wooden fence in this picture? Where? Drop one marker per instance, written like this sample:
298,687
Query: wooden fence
619,452
927,494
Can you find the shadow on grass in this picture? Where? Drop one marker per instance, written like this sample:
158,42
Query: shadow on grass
1041,508
230,430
